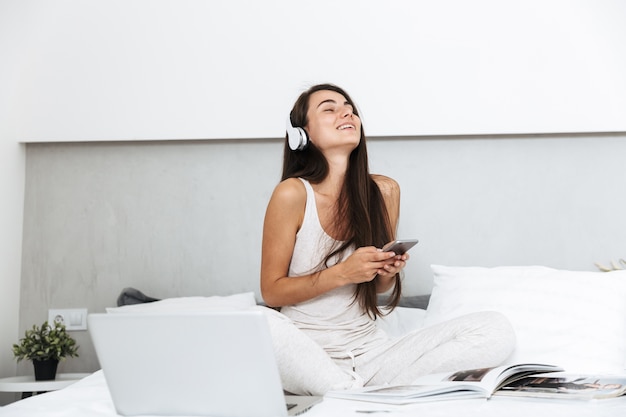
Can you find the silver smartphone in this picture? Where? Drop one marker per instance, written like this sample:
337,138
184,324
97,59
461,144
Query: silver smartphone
400,246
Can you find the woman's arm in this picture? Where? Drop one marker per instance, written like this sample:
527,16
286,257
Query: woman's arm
283,218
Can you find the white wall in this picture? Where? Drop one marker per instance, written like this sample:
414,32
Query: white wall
12,155
11,215
195,69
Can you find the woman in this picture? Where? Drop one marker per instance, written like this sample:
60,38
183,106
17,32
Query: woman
321,265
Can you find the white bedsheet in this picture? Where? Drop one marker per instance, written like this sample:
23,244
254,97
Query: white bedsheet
90,398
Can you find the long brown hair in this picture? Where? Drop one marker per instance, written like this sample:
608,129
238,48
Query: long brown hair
362,213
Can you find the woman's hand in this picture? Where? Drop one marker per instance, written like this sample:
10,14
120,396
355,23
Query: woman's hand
365,263
392,268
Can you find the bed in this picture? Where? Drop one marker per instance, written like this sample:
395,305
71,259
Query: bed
575,319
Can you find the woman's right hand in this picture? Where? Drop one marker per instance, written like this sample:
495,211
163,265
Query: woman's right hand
364,264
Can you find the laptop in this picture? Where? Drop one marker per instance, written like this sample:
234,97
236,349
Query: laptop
192,364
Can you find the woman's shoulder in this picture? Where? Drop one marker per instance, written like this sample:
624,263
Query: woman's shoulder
387,185
290,190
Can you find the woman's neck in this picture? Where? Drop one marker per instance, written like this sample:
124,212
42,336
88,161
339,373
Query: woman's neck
333,183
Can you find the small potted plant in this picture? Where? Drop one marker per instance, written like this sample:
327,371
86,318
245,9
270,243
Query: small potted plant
45,346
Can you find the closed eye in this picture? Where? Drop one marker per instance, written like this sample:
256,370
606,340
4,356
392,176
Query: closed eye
331,105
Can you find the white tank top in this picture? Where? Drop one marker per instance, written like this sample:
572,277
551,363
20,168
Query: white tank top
334,319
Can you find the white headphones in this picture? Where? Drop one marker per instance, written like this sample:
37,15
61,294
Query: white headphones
297,137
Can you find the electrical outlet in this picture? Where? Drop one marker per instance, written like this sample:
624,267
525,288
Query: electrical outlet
72,318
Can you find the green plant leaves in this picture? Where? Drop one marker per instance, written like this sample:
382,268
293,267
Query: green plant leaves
46,342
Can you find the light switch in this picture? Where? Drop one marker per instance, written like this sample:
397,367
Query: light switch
72,318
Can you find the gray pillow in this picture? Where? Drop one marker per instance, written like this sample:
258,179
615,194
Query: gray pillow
411,301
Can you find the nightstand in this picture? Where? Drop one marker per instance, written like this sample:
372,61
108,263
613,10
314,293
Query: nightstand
27,385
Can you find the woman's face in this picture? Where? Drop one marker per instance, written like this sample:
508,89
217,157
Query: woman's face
332,122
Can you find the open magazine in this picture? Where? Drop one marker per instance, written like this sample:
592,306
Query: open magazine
567,386
475,383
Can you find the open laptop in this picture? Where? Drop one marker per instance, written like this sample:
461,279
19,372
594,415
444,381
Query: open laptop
192,364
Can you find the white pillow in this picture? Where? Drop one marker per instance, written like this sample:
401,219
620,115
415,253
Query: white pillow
401,321
190,304
573,319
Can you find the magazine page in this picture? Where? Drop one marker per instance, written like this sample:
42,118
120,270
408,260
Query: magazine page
408,394
488,379
474,383
566,386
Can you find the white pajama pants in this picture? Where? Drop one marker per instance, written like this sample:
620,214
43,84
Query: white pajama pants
472,341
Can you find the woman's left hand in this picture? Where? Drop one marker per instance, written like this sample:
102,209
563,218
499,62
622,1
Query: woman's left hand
395,265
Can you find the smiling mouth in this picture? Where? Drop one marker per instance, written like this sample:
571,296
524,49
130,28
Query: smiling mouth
344,127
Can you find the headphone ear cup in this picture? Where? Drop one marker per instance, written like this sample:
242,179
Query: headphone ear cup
296,136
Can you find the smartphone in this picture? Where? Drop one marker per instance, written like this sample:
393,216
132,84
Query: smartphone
400,246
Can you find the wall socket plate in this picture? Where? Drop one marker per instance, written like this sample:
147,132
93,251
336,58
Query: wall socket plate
72,318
